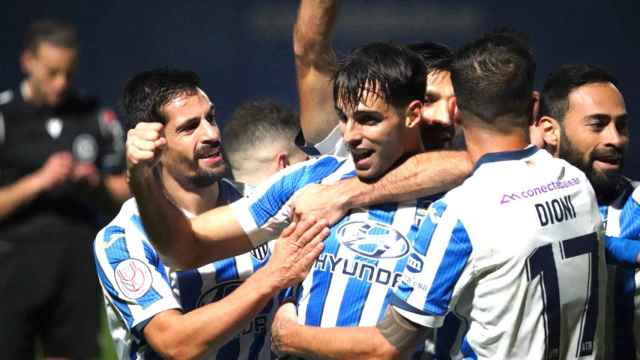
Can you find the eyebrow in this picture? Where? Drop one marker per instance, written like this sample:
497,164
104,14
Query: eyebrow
187,123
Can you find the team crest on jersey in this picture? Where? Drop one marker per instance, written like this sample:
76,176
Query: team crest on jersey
54,127
373,239
261,252
133,278
85,148
218,292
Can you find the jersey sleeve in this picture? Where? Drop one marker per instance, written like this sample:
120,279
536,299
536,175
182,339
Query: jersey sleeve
264,214
111,142
625,248
438,268
132,276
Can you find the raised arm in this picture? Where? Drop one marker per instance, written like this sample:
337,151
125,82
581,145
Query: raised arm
393,338
186,336
421,175
315,61
185,243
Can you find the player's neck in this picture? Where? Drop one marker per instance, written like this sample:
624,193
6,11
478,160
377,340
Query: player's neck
195,200
481,141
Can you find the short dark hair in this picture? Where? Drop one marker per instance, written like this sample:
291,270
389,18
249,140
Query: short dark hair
493,77
56,32
554,99
436,56
255,122
146,93
394,73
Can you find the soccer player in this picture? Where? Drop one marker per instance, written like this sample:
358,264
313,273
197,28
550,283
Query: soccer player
61,169
379,89
584,120
259,142
514,250
420,175
221,309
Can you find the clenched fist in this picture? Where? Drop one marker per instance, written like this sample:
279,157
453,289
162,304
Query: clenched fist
144,146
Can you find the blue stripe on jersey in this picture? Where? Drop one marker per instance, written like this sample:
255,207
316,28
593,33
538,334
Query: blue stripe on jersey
226,270
348,175
630,219
190,285
400,265
453,262
624,313
428,227
357,289
621,251
467,351
322,279
279,193
116,253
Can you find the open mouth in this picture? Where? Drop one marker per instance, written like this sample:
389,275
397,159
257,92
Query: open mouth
361,155
209,154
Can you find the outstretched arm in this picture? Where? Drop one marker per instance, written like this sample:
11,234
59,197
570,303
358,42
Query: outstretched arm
186,336
315,62
394,337
424,174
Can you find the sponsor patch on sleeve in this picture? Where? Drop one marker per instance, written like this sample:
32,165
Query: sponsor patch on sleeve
133,278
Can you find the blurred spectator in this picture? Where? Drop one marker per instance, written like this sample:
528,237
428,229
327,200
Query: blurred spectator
61,162
259,141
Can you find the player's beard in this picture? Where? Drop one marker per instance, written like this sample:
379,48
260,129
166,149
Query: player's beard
205,178
607,184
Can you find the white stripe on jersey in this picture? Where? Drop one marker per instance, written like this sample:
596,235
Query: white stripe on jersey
338,285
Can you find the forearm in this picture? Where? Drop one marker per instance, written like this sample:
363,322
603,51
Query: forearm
421,175
166,226
315,62
191,335
335,343
312,31
18,194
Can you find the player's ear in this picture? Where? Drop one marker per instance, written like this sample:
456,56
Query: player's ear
26,61
550,129
282,160
452,105
413,114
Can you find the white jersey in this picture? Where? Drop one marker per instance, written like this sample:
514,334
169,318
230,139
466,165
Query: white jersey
351,281
622,219
137,285
515,252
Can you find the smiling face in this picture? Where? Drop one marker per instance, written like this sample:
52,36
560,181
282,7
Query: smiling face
194,148
594,134
377,135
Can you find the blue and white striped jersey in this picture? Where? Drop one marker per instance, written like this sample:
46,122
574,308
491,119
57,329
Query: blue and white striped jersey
516,253
351,281
622,221
137,285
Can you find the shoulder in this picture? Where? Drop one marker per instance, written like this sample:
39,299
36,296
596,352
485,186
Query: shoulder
123,232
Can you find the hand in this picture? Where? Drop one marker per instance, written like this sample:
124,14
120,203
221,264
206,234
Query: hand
144,146
319,201
87,173
295,251
283,320
55,171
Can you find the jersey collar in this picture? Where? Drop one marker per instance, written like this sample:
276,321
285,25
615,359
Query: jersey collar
505,156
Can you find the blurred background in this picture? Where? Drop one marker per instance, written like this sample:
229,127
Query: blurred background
242,49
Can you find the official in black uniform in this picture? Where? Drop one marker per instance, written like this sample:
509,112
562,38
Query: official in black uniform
61,162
